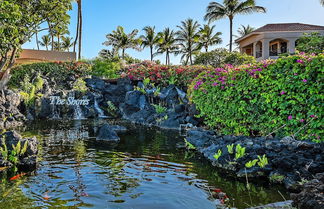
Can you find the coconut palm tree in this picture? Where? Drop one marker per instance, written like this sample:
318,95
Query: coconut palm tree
78,36
150,39
45,41
67,43
208,37
244,30
229,9
167,44
188,37
119,40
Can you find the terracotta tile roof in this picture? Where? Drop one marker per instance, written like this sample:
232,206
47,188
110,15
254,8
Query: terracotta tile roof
288,27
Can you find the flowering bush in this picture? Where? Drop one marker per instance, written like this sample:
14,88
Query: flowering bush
162,74
284,97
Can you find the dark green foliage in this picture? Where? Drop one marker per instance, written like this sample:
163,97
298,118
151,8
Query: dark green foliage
220,57
311,43
283,97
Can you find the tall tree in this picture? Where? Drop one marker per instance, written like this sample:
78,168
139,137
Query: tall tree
229,9
322,2
208,37
45,41
119,40
67,43
18,24
244,30
188,37
150,39
167,44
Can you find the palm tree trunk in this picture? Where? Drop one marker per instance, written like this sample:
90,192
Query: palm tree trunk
231,33
190,57
46,45
166,57
123,54
77,31
151,49
58,43
80,29
52,37
37,42
206,48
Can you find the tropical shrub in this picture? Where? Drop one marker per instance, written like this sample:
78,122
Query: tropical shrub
220,57
311,43
59,71
106,68
163,74
283,97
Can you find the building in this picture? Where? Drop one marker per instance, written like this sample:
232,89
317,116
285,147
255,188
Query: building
272,40
30,56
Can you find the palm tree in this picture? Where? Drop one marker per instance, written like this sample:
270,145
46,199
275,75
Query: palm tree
188,37
322,2
229,9
66,43
208,38
119,40
46,41
78,36
167,44
244,30
150,39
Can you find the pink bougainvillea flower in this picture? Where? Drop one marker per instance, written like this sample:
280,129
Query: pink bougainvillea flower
304,80
282,92
300,61
215,84
290,117
312,116
302,120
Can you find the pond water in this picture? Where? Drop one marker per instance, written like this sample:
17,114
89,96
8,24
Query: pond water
143,171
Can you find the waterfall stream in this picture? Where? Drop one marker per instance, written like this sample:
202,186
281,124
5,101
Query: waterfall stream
78,114
100,112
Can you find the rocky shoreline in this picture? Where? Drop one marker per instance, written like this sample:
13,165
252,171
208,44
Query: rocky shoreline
299,165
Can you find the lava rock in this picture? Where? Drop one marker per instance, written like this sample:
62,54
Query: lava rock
107,133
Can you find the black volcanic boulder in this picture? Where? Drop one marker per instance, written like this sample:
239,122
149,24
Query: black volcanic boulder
27,159
107,133
312,195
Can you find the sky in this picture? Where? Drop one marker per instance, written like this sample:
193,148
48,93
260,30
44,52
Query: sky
100,17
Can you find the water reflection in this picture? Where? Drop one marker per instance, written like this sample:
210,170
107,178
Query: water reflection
143,171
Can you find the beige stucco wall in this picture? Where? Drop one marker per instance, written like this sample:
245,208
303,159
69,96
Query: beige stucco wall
43,55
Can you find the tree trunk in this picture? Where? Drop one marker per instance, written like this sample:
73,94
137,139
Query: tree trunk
123,54
151,49
5,77
77,31
166,57
52,37
190,57
80,29
206,47
37,42
231,33
58,43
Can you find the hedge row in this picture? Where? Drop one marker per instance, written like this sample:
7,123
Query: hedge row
283,97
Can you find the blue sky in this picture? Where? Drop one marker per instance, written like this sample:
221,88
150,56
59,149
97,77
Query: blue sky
102,16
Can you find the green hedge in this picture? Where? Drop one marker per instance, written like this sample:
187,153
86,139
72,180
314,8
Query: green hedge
59,71
283,96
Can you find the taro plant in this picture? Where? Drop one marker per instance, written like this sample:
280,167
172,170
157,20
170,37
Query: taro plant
218,154
263,161
230,149
251,163
189,146
240,152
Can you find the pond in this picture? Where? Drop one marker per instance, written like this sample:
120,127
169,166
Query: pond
144,171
